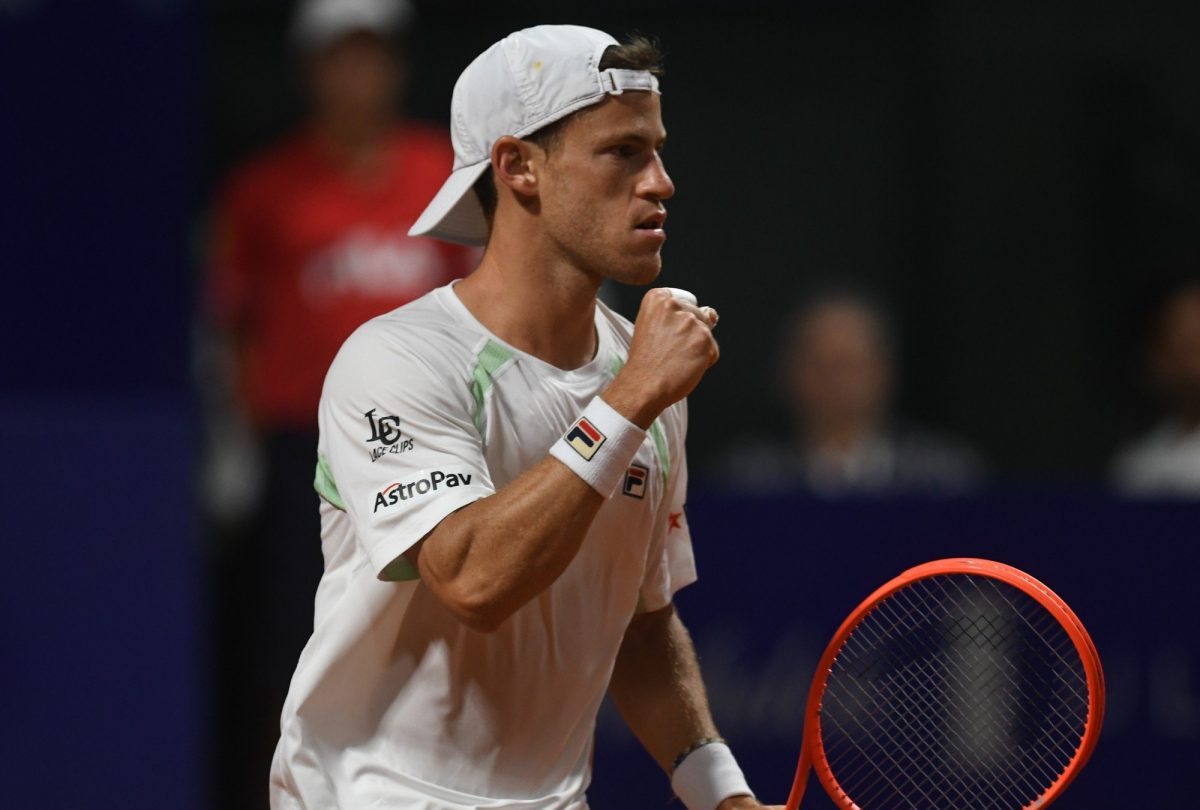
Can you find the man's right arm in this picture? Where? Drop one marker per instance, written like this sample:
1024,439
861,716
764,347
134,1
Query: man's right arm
492,556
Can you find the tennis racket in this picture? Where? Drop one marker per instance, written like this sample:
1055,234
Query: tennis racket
962,684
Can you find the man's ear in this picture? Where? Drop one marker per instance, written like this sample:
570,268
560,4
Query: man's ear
513,165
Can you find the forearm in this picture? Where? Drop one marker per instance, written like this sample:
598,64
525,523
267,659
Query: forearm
488,559
657,687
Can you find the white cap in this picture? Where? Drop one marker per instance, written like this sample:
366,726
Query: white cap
524,82
321,22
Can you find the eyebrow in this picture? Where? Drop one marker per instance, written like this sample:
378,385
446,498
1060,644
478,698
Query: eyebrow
642,138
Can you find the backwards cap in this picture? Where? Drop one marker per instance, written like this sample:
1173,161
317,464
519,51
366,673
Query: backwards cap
522,83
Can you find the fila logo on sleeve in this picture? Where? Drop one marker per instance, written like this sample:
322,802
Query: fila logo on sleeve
635,481
584,438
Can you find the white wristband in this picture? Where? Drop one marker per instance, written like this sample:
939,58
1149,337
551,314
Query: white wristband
708,776
599,446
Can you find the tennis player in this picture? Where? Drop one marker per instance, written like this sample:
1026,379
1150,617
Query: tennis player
502,473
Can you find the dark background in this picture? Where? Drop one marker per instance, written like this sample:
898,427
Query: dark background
1015,177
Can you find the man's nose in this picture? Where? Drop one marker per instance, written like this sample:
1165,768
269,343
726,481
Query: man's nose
658,183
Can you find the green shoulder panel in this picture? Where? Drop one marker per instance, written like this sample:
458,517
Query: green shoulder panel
491,357
325,486
399,569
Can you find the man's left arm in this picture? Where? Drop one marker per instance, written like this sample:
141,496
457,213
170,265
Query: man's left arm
657,687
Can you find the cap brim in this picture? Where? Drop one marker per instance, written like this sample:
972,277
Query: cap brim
455,214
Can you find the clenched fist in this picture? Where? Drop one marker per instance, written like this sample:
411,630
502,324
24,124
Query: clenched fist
672,347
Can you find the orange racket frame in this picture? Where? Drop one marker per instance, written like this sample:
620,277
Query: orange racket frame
812,753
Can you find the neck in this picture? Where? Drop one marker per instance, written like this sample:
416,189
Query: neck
534,299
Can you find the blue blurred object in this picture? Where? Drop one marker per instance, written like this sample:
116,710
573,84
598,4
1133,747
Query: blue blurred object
103,650
97,157
103,668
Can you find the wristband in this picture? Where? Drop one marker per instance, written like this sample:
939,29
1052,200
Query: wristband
687,752
599,446
708,776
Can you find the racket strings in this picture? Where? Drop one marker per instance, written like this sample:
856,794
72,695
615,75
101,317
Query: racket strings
982,694
1050,632
929,758
955,692
1042,623
924,756
975,631
992,637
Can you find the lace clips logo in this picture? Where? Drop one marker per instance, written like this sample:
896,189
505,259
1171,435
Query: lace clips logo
386,431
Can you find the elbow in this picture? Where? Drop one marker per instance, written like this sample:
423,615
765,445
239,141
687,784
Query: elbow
480,605
481,599
475,608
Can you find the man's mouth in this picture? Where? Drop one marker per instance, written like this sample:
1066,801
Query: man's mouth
653,222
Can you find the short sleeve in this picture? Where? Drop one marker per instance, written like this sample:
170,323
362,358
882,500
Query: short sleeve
397,443
672,565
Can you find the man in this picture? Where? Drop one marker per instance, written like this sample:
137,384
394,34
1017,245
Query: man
312,234
1166,461
837,376
503,475
311,242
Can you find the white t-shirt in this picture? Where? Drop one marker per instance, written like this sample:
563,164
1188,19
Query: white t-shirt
1165,464
395,703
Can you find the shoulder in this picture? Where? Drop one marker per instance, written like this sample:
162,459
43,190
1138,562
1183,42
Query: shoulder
758,463
930,459
921,440
420,345
1139,463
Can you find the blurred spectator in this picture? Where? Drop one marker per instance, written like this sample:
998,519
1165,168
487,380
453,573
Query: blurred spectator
311,242
841,439
1166,461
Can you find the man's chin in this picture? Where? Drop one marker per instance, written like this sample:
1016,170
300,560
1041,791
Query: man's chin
640,273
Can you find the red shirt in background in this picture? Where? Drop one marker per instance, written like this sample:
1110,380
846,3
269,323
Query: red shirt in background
307,252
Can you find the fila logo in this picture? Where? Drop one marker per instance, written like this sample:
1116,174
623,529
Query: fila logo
584,438
635,481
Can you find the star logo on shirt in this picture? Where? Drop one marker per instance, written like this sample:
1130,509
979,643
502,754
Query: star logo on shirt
674,521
